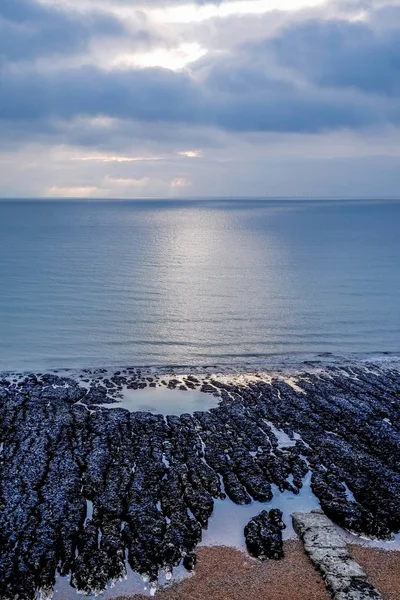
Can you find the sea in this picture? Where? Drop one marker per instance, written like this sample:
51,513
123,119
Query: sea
87,284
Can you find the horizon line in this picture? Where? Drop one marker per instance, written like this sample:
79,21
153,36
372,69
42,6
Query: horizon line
187,198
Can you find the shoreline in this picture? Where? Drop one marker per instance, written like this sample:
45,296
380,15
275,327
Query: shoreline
274,364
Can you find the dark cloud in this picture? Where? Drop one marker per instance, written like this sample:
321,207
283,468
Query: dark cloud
28,30
144,94
160,95
296,111
344,54
314,76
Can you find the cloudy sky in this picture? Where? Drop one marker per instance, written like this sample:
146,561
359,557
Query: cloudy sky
172,98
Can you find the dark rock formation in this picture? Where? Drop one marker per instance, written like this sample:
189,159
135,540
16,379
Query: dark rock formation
152,480
263,535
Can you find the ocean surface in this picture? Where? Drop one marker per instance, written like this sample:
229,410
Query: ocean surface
89,284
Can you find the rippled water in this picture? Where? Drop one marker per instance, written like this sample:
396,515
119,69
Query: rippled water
194,283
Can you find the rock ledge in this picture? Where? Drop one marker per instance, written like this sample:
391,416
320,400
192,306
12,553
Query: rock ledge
344,578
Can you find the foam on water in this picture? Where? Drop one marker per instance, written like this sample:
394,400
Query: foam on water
164,401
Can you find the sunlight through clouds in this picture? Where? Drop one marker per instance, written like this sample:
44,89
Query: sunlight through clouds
174,58
71,192
185,12
126,183
191,153
189,13
181,182
136,98
118,159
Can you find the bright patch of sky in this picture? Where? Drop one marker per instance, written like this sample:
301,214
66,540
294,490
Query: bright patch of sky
174,58
189,13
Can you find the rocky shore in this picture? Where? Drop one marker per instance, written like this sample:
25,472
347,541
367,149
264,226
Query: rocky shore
83,488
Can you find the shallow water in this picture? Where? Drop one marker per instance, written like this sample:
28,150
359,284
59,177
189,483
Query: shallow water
132,584
227,523
226,528
388,545
164,401
196,282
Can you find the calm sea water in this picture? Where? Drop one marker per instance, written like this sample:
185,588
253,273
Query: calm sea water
196,282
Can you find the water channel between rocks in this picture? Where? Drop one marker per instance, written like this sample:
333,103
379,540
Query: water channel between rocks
225,528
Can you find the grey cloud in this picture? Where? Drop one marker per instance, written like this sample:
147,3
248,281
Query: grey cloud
251,102
28,30
342,75
343,54
298,111
313,76
135,4
148,94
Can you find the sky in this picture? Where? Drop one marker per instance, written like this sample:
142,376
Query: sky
172,98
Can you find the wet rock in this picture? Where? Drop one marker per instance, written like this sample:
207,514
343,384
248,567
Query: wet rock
263,535
346,513
152,480
189,562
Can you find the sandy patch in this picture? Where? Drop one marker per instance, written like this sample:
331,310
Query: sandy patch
382,568
224,573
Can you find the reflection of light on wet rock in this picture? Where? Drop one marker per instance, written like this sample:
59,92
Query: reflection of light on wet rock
164,401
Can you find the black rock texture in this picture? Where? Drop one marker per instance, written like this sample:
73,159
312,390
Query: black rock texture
152,480
263,535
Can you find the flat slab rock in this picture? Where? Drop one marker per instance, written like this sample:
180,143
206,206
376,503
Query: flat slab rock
328,551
